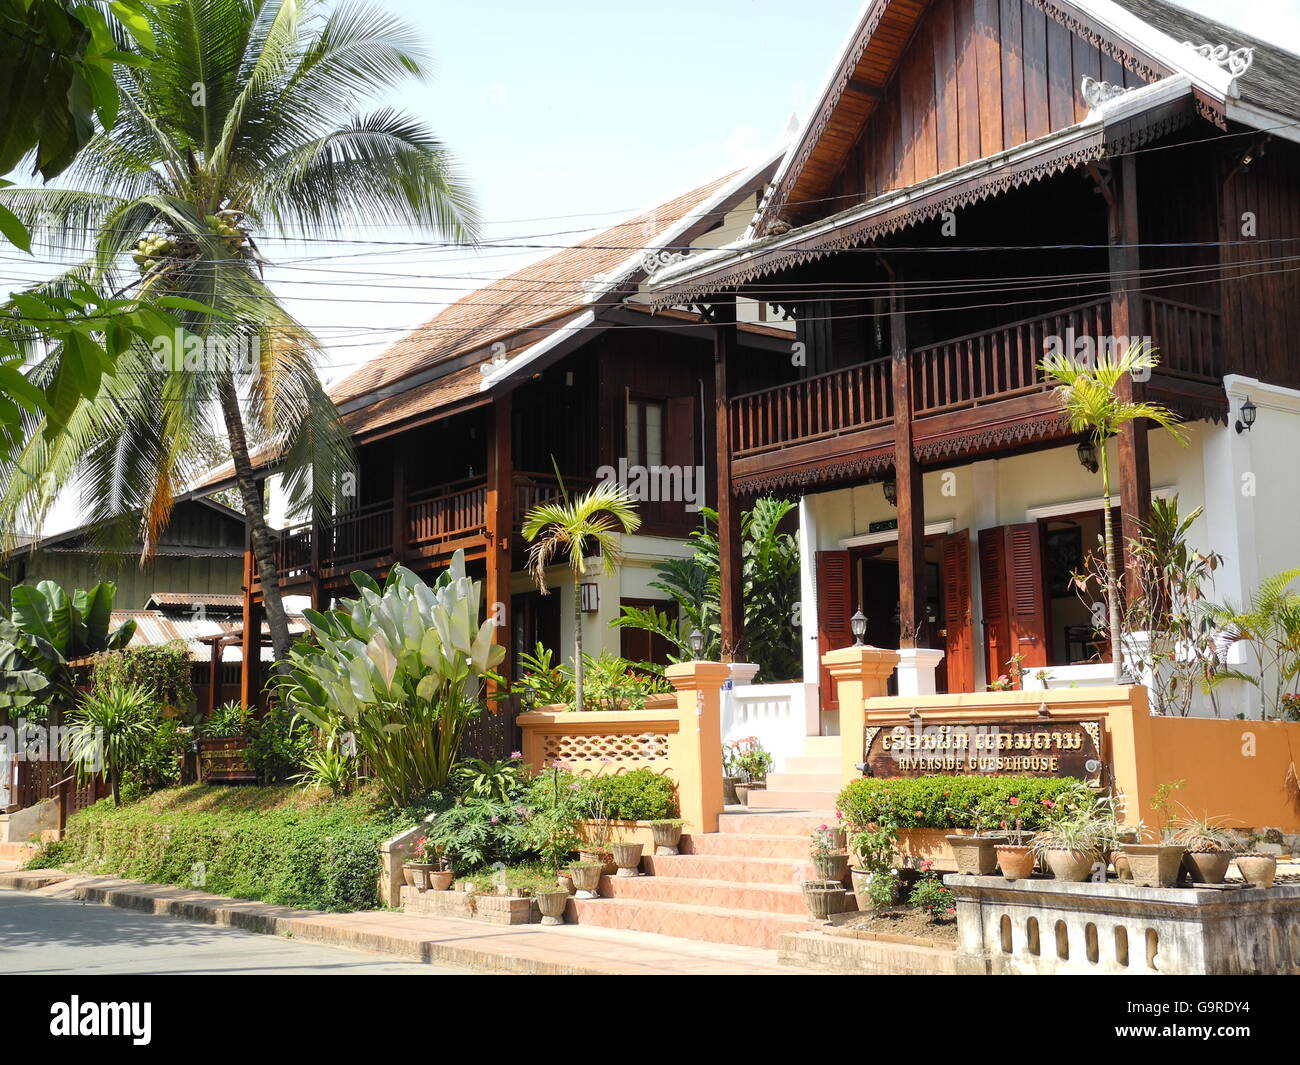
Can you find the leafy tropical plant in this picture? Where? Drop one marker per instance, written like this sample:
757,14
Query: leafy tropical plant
403,668
111,730
228,720
1271,628
48,630
770,584
245,120
1091,395
164,670
328,767
480,779
575,528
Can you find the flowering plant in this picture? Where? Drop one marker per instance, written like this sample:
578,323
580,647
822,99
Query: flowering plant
425,851
747,759
826,841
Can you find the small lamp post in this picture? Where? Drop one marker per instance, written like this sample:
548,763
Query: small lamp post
696,640
858,624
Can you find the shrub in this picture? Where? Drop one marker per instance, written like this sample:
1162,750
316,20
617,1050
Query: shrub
930,895
278,745
273,845
641,795
949,801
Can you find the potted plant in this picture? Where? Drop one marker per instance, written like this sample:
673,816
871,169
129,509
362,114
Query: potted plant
830,860
427,868
754,763
1207,848
975,854
1069,846
873,852
1016,857
667,834
730,774
551,899
586,878
627,857
824,898
1156,864
1256,868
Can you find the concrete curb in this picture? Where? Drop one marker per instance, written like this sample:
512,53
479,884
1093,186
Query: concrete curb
520,949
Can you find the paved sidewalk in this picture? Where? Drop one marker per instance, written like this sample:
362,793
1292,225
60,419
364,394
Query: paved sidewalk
569,950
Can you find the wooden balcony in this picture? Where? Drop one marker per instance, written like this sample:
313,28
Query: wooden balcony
427,526
842,415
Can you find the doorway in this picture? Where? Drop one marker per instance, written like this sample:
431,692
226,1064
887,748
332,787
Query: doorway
876,593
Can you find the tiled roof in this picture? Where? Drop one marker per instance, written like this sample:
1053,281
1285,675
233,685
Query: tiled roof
1273,80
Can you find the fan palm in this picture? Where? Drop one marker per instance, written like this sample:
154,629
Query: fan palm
244,121
576,528
1089,394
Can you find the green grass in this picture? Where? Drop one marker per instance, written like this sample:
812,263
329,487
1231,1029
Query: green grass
277,845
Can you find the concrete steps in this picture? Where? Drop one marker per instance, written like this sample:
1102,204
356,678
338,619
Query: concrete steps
744,846
828,783
810,799
18,852
737,870
748,928
717,894
807,763
766,823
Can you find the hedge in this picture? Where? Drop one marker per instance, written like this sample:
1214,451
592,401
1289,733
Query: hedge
950,801
639,795
271,844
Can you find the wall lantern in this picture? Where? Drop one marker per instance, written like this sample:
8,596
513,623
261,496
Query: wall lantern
890,489
858,624
1247,419
590,598
696,640
1087,452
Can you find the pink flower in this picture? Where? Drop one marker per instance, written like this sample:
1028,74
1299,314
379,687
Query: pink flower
1049,804
1014,801
516,754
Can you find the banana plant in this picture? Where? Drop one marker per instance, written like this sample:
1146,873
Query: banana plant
402,668
49,629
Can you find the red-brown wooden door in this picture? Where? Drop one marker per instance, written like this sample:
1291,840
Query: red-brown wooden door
958,635
834,609
1012,597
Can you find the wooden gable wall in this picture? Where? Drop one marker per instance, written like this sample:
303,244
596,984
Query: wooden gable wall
977,78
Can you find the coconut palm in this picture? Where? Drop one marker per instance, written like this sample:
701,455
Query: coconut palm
1089,394
244,122
576,528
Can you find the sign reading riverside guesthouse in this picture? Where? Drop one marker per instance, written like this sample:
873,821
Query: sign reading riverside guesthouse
996,748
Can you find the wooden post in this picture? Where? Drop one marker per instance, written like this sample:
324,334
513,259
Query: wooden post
1127,320
732,606
500,523
250,685
907,481
695,749
214,675
399,500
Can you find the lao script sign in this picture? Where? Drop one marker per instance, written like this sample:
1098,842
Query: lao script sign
1039,748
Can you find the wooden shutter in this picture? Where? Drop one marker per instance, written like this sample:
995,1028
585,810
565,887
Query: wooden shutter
834,609
957,612
1026,597
993,602
679,432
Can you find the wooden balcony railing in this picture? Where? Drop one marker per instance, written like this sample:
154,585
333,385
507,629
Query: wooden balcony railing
829,404
533,489
998,363
966,371
446,513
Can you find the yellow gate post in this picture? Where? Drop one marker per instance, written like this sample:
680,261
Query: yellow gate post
696,747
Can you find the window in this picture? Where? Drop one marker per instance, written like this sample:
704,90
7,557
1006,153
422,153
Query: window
645,432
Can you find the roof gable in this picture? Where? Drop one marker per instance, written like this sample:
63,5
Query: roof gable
926,86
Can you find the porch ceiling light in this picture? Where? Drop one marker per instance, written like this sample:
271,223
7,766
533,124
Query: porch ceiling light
891,492
1087,452
696,640
1247,419
858,624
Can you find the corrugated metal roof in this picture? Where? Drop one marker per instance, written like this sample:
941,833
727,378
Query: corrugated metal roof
153,627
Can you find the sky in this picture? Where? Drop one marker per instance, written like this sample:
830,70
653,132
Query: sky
565,116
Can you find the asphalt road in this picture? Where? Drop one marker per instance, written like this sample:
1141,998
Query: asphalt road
43,936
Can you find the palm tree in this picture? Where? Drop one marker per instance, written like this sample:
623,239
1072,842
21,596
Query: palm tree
577,527
111,731
1089,394
245,121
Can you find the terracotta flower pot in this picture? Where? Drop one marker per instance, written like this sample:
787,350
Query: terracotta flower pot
565,882
1207,867
425,877
975,854
666,837
824,898
606,858
831,866
1073,867
1257,870
552,904
1015,861
729,796
861,881
586,878
1154,864
743,790
627,856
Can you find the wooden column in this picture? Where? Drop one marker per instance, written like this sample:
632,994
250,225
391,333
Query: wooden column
732,606
399,500
250,674
500,521
1133,470
214,676
907,479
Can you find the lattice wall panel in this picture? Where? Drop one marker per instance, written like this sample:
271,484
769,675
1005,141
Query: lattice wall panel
588,755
